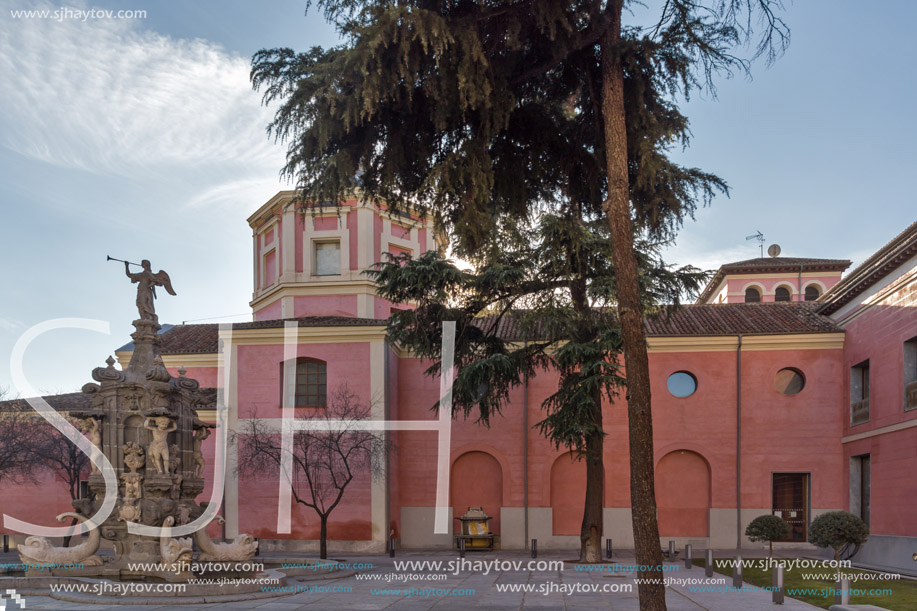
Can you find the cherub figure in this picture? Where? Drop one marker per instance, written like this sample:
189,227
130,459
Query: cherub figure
199,436
158,451
93,428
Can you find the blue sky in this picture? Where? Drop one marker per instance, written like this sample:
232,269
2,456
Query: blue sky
142,138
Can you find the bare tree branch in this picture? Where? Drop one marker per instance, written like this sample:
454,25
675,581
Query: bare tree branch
325,462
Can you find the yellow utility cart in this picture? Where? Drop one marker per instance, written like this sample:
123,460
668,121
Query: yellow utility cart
475,531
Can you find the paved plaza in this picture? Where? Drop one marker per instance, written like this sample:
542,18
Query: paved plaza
417,589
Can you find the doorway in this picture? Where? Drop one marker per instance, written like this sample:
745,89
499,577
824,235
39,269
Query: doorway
791,502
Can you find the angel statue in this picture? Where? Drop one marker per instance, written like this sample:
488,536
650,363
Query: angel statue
147,282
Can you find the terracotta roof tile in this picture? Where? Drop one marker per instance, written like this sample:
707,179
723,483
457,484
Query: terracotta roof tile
778,264
202,338
71,401
744,318
722,319
900,249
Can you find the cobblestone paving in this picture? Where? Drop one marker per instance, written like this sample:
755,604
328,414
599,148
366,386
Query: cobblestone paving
393,589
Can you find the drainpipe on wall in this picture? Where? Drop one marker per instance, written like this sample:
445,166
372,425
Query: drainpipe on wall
525,454
387,437
799,284
739,443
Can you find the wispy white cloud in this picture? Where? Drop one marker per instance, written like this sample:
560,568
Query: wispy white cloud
698,256
11,324
164,154
246,192
109,97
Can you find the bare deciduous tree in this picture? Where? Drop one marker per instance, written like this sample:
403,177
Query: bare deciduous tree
326,460
57,455
18,441
60,457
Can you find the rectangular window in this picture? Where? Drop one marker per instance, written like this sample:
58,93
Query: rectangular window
859,393
791,502
311,384
398,251
400,231
909,363
859,486
327,258
270,269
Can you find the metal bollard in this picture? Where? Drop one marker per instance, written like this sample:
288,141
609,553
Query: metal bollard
842,592
6,543
391,547
608,548
461,548
534,548
708,563
671,551
777,581
737,573
688,557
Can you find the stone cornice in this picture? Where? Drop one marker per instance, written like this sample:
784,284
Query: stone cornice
750,343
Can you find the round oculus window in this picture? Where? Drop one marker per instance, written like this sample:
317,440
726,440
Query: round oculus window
789,381
682,384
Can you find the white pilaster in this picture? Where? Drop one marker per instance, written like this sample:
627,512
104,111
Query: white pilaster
377,391
232,455
364,237
289,244
286,306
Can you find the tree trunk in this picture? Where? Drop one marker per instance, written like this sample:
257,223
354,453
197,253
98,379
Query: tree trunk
630,313
594,503
323,539
593,520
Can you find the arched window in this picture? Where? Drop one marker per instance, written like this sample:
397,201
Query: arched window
782,294
812,293
752,295
309,388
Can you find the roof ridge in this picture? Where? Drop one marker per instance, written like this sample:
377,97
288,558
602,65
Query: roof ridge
867,273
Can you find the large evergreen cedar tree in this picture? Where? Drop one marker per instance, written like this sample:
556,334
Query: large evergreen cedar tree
481,111
542,301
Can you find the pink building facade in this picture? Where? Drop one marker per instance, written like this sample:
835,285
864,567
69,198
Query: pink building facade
758,407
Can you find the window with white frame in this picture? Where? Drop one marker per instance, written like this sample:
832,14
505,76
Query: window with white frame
859,393
909,364
812,292
752,295
327,258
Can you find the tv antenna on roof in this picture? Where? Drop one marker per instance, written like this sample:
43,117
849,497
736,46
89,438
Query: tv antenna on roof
760,237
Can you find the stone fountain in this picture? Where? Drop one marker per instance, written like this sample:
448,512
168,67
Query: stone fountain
145,421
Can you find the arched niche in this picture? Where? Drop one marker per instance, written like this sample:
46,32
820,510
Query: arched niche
477,481
683,494
568,494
